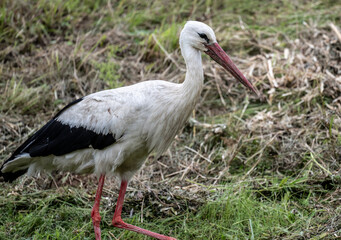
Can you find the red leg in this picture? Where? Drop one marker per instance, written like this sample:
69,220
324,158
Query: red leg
118,222
96,218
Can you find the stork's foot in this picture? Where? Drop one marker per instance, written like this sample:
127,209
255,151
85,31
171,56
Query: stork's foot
118,222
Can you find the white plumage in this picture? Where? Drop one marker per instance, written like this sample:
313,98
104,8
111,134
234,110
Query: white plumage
119,128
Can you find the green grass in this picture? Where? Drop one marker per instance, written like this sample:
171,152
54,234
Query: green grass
19,96
268,170
235,210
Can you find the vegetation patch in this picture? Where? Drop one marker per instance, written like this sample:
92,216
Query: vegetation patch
244,167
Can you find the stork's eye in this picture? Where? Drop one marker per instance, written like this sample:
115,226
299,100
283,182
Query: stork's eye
204,36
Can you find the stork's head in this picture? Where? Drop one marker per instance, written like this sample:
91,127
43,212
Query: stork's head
201,37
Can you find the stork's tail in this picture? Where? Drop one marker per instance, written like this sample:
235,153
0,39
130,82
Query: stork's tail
11,174
10,177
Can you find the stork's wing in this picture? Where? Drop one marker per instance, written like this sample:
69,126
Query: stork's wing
58,138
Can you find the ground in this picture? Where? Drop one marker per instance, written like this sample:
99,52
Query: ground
244,167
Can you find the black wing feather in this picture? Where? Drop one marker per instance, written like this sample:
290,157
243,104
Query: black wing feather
56,138
59,139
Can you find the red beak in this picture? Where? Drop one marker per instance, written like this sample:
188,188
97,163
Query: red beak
219,55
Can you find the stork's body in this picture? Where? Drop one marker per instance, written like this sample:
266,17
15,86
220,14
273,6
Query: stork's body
128,121
113,131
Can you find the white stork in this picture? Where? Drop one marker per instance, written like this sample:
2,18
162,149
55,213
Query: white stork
112,132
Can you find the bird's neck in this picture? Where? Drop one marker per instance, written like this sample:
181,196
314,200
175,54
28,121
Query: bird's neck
193,83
